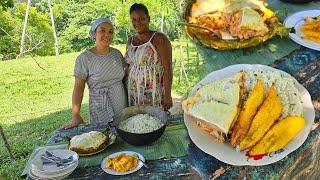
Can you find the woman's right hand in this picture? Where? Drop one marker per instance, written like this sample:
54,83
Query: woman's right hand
76,121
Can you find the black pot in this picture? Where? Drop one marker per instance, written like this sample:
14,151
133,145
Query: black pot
137,139
298,1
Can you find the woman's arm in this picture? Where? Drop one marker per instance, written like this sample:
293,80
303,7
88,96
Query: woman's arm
77,97
164,50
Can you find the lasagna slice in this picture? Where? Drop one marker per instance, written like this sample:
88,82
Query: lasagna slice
215,106
247,23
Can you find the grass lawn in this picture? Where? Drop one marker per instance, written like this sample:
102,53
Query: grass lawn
34,102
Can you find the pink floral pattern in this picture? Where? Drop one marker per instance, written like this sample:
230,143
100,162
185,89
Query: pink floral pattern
145,79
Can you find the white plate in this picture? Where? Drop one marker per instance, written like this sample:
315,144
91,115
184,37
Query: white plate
296,20
39,175
223,151
110,171
38,166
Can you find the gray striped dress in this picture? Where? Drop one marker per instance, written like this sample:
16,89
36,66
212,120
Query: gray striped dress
103,75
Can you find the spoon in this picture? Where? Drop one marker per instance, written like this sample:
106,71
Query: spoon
197,26
144,164
221,34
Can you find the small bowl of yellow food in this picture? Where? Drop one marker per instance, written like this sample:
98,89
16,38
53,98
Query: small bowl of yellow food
122,163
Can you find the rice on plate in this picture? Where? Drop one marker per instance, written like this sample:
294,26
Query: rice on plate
286,89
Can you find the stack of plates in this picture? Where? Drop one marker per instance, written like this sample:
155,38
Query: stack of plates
39,170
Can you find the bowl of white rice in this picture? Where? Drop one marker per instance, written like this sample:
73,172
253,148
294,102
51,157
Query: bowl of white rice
140,125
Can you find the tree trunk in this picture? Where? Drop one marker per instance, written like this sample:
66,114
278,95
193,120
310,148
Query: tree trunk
181,60
54,30
198,60
162,20
182,68
127,35
6,143
188,57
24,30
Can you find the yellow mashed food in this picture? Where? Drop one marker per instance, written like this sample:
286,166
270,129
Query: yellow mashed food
122,163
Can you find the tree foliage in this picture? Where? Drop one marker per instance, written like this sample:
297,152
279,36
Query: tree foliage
39,37
8,48
5,4
73,19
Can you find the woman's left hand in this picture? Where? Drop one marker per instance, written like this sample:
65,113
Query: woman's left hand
167,103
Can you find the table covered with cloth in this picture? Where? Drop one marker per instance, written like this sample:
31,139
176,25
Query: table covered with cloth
180,158
174,155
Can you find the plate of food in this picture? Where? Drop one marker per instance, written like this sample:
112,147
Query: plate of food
233,24
307,27
90,143
248,114
122,163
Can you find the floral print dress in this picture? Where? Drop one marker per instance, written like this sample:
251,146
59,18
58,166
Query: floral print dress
145,79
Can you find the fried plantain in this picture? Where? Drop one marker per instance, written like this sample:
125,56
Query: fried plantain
247,113
279,135
266,116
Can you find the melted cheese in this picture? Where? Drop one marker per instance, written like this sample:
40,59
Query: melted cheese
89,140
219,114
234,5
217,102
206,6
251,19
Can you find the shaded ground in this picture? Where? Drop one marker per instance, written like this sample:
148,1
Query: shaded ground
176,107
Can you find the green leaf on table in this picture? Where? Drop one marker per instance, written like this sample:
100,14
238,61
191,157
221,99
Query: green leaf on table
272,47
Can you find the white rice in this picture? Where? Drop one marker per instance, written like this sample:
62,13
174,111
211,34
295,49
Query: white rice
286,89
141,123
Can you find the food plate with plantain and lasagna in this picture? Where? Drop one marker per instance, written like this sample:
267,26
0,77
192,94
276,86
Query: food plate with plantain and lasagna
231,24
248,114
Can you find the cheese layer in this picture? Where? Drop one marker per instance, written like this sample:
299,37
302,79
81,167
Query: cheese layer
89,140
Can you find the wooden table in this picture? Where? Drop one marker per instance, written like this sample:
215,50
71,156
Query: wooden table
304,163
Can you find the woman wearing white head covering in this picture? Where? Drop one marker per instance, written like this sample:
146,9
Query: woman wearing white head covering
102,68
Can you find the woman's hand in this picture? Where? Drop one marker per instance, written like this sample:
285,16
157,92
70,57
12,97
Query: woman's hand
167,102
77,96
76,121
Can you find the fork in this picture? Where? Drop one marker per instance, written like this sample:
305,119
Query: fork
55,157
47,160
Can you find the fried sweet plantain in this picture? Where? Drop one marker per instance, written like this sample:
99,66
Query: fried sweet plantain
122,162
279,135
247,113
268,113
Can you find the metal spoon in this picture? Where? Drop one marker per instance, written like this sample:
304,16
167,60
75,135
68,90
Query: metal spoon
220,34
144,164
197,26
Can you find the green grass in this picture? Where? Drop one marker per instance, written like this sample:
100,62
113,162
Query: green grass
34,102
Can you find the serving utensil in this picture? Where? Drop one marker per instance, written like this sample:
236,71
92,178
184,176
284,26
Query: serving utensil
64,163
144,164
57,158
197,26
220,34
